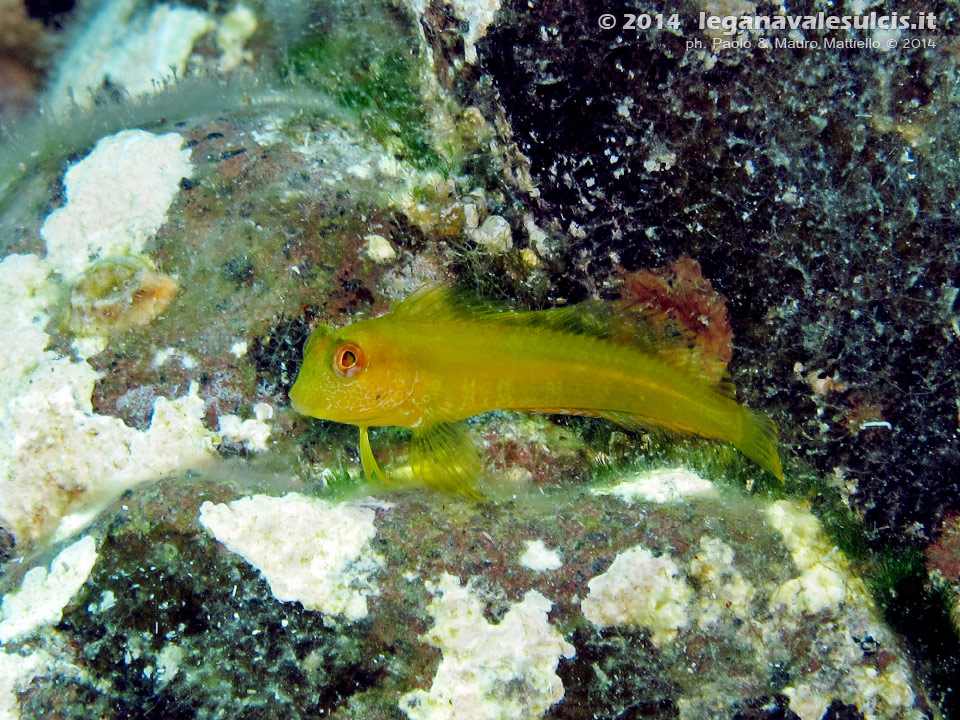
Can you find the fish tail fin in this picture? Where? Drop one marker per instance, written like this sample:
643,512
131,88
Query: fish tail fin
444,457
759,442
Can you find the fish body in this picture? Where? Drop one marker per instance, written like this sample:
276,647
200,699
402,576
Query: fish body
439,358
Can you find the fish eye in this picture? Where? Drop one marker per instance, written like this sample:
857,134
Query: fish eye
348,360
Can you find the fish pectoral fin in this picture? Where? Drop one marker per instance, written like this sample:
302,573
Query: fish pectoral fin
370,467
444,457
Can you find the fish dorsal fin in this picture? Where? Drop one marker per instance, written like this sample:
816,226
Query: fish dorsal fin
618,322
425,301
628,325
431,302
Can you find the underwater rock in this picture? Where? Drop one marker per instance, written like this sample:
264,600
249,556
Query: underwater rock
826,221
539,159
197,597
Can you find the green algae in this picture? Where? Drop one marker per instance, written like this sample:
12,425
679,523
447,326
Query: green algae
377,78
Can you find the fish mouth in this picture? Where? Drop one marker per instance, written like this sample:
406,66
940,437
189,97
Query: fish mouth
297,399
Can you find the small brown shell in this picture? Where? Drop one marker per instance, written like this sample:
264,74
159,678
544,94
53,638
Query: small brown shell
116,294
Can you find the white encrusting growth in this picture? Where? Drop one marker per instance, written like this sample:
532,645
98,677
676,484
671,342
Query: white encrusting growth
643,591
309,551
156,47
16,674
57,456
825,579
827,584
505,671
117,198
663,485
44,593
253,433
724,593
537,556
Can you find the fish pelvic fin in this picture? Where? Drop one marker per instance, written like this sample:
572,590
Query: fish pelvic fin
444,457
370,467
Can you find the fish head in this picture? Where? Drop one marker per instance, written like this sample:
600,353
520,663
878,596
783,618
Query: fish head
353,375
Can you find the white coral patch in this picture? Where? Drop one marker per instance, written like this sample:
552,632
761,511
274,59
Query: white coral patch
25,298
537,556
117,198
505,671
236,27
885,695
252,433
151,50
724,591
16,674
819,587
308,550
640,590
825,580
664,485
478,14
56,454
825,583
494,234
43,594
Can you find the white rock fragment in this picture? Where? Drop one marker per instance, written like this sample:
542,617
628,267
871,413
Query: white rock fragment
494,235
478,14
252,433
825,580
640,590
505,671
724,592
107,601
235,28
660,161
263,411
238,350
43,594
151,51
664,485
379,248
168,663
537,237
25,297
117,198
16,674
360,171
537,556
308,550
57,455
806,702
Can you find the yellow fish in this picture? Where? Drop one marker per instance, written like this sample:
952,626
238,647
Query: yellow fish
439,357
